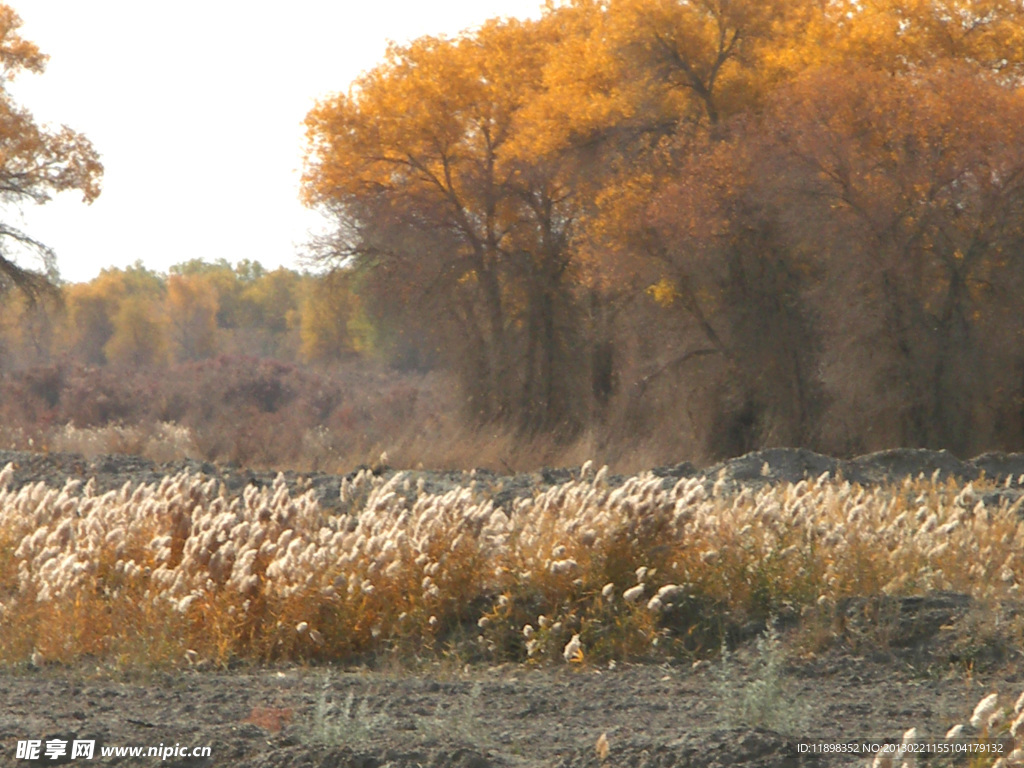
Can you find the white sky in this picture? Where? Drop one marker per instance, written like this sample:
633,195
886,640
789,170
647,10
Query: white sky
196,107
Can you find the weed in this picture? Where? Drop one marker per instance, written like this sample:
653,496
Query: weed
758,697
460,723
351,722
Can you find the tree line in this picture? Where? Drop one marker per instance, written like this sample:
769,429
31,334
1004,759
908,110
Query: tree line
758,222
139,318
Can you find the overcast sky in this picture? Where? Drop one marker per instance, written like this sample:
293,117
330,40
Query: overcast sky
196,108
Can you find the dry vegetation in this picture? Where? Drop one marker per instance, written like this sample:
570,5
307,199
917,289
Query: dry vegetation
264,413
583,572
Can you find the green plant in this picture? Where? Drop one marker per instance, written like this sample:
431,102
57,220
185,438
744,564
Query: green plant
350,722
758,697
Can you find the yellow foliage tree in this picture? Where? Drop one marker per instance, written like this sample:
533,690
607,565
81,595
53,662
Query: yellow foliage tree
709,171
911,193
330,327
419,164
192,316
35,162
139,338
94,312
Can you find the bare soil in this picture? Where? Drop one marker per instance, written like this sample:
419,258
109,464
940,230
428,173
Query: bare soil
661,715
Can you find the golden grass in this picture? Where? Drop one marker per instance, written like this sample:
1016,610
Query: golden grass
183,573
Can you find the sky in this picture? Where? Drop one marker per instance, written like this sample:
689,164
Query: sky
197,108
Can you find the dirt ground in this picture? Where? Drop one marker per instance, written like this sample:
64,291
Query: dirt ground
744,712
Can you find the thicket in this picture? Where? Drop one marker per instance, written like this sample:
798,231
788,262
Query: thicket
209,361
136,317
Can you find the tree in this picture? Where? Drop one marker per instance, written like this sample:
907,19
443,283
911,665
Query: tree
29,328
140,337
272,300
90,310
700,60
733,292
903,35
96,318
331,323
911,192
419,165
771,218
35,162
192,315
658,160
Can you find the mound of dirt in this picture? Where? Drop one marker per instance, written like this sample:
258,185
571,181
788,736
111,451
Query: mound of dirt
774,465
791,465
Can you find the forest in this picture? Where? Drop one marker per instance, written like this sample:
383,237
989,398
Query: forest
755,223
630,228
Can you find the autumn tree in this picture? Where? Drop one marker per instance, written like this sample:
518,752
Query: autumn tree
332,324
524,158
703,215
271,300
659,161
701,60
911,193
764,220
898,36
227,283
192,315
256,312
90,310
731,295
417,163
29,328
139,339
101,328
36,162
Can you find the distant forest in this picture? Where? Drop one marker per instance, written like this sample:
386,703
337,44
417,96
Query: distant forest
136,317
681,229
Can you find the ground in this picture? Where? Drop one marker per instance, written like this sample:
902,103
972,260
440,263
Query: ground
651,715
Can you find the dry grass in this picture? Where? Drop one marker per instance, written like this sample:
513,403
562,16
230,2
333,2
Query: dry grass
161,442
426,440
181,573
266,414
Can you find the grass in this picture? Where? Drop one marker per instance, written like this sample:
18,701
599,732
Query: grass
352,720
182,572
263,413
992,736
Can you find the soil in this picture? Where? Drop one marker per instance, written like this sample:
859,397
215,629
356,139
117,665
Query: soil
651,715
921,662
